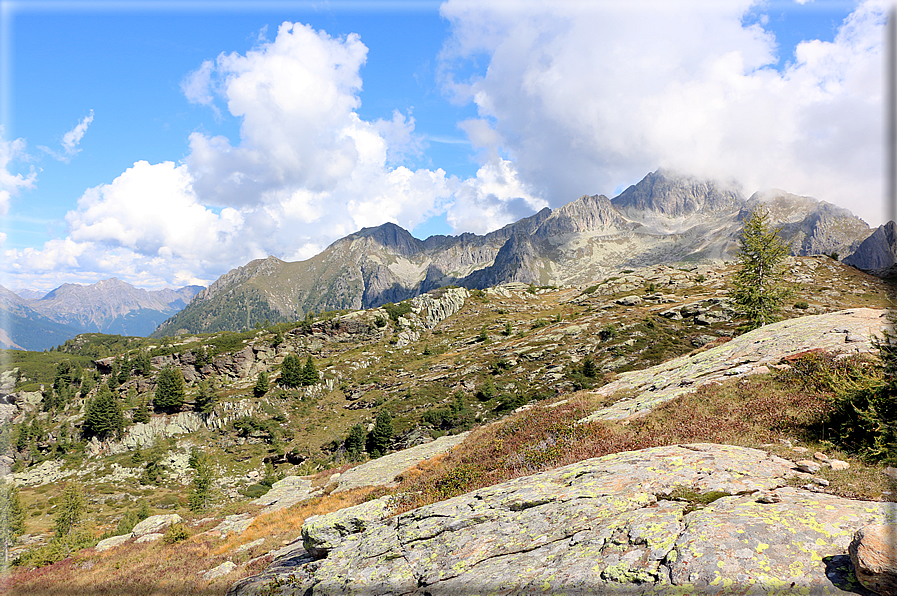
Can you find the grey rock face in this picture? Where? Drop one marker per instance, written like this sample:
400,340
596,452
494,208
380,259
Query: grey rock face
604,525
322,533
155,523
675,196
878,251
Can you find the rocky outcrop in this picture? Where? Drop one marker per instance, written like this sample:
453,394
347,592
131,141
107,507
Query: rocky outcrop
877,252
693,519
427,311
847,331
873,553
148,530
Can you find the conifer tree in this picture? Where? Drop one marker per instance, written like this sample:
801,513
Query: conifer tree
124,371
171,390
261,385
309,373
380,437
291,371
355,441
70,510
205,398
588,368
203,477
142,363
141,412
102,414
757,285
12,516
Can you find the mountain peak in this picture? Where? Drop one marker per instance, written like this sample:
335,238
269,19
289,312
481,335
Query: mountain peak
392,236
676,195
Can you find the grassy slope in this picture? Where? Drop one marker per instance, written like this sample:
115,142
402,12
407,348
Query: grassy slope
550,331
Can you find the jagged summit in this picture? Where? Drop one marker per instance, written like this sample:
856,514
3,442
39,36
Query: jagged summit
676,195
667,217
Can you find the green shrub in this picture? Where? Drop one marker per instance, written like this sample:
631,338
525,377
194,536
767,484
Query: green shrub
801,305
396,310
176,533
254,491
608,332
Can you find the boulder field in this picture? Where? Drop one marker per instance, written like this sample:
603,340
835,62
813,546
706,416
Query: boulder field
680,519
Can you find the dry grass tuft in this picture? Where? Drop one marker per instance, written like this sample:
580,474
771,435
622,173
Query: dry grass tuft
284,525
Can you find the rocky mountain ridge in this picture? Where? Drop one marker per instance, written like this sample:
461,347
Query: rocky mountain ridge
665,218
108,306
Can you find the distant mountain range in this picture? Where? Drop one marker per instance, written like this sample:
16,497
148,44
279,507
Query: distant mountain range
666,217
35,322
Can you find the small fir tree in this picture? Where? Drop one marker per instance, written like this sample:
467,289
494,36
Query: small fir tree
141,413
70,510
142,363
12,517
261,385
588,368
203,477
205,398
310,374
380,437
757,285
355,441
486,390
171,390
291,371
102,414
124,371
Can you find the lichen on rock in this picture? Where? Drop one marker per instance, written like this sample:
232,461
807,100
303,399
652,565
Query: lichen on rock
593,527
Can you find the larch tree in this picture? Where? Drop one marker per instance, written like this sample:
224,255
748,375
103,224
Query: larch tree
757,285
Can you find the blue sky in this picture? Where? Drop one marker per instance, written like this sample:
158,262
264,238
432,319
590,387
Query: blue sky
167,142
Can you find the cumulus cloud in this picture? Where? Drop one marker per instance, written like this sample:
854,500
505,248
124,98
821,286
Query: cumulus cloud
585,96
305,171
12,183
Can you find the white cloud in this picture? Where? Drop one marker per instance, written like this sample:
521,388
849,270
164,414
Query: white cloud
72,138
494,198
11,184
583,96
70,141
306,171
